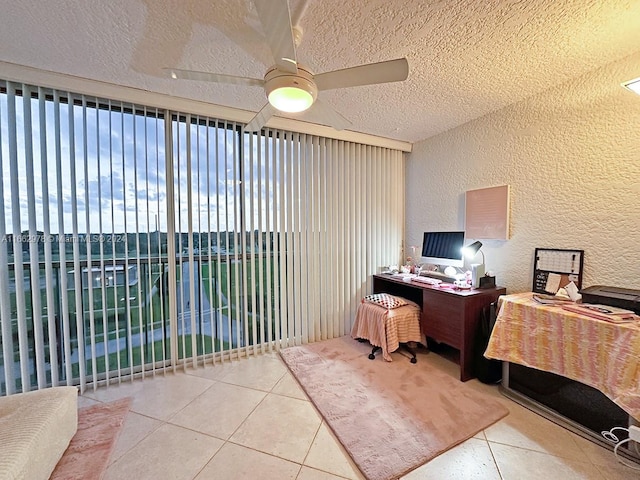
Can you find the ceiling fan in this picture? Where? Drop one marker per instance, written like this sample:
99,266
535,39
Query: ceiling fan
290,86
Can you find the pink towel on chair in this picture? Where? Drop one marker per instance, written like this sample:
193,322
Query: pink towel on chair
387,328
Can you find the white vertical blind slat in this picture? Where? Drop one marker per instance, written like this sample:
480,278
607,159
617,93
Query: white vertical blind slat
77,269
150,284
244,209
139,273
6,338
284,240
219,223
291,233
101,254
228,228
269,287
193,306
258,282
238,242
163,314
305,262
335,239
296,211
17,244
62,245
315,283
182,133
212,295
126,320
275,252
90,293
33,240
112,294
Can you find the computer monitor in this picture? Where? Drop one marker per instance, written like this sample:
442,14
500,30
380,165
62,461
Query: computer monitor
443,248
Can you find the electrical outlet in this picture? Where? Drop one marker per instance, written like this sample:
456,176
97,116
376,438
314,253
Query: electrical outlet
634,433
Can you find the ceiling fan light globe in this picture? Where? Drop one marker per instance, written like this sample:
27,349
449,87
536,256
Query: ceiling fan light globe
291,99
290,93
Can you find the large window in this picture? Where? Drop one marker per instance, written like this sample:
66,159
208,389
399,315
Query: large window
133,239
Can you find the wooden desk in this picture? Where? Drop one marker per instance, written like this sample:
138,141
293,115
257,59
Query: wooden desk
448,316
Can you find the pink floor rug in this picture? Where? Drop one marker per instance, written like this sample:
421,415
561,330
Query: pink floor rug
87,456
391,417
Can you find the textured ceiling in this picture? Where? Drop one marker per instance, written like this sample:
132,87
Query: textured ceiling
466,58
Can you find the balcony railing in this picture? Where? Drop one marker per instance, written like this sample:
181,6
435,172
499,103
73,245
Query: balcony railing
125,317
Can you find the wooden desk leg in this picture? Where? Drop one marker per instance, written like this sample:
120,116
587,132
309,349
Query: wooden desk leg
466,362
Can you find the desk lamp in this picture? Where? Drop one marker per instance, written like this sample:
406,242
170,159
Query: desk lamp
477,269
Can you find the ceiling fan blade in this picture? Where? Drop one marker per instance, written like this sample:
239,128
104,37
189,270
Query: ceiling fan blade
370,74
328,116
297,15
261,119
276,23
213,77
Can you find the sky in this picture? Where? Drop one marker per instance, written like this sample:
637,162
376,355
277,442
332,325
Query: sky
111,166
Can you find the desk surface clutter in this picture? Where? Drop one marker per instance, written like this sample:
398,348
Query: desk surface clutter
598,353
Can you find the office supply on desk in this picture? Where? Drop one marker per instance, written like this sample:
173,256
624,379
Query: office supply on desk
602,312
545,299
429,280
443,277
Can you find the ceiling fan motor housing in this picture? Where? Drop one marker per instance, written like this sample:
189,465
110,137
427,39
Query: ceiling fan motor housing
301,84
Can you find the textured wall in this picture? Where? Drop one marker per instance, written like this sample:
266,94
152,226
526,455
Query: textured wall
572,157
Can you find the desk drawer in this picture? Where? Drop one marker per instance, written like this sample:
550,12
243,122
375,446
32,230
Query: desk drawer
442,319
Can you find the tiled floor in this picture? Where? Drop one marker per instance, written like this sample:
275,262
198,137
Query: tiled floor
249,419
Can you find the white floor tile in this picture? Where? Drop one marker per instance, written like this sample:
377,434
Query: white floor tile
136,427
261,373
308,473
280,426
160,397
469,460
220,410
240,463
526,429
517,463
170,452
288,386
327,454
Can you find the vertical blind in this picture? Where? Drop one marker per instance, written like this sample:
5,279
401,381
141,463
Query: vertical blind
137,239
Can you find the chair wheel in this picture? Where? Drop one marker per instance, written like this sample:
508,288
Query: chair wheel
414,360
372,356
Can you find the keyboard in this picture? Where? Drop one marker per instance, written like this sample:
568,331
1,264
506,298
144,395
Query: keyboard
429,280
439,276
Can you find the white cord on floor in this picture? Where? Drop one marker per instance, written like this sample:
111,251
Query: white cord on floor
609,435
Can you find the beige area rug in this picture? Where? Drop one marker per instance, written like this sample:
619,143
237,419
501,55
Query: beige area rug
391,417
87,456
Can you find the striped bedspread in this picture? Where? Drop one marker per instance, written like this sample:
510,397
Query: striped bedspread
595,352
387,328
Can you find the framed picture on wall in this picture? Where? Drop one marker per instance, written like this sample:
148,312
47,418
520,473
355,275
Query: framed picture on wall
487,213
